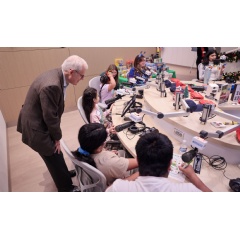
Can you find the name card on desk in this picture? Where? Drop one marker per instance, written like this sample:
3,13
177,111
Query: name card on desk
178,133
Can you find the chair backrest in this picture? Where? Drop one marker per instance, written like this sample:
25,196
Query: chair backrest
90,178
81,111
95,83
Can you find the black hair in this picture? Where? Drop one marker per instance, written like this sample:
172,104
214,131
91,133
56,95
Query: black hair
154,154
83,158
87,101
90,137
206,58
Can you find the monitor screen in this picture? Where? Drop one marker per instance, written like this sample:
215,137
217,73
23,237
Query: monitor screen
129,105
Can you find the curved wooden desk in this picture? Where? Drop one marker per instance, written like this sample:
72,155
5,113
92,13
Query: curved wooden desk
214,179
188,127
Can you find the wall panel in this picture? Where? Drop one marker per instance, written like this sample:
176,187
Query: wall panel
19,66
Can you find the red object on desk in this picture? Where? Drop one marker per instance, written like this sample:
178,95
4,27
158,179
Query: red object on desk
238,135
177,81
196,95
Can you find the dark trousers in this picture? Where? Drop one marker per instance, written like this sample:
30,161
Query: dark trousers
58,169
198,61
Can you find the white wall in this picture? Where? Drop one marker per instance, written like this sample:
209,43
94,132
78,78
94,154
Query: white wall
4,186
184,56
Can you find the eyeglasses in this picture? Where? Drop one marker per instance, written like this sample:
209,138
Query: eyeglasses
82,76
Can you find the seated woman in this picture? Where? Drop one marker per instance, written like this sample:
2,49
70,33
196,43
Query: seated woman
92,138
215,70
139,70
109,83
93,112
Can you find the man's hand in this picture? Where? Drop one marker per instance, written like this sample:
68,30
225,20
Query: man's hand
57,146
188,171
194,179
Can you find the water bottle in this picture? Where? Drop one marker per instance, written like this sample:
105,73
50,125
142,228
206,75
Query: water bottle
207,75
183,147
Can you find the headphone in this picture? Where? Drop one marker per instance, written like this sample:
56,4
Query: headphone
149,130
135,130
235,184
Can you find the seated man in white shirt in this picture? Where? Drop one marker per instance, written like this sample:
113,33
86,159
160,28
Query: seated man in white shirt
154,155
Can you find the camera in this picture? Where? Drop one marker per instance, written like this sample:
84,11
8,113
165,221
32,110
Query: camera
222,59
229,79
104,79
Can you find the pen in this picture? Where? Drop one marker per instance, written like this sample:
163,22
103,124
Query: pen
185,165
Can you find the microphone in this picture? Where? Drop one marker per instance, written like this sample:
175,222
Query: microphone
121,127
193,106
112,100
188,156
168,83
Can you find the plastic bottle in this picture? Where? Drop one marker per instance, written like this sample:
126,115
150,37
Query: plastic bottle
207,74
183,147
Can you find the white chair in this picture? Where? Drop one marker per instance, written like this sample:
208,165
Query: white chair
81,111
90,178
95,83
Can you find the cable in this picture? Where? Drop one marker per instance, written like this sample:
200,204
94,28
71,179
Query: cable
225,175
217,162
129,133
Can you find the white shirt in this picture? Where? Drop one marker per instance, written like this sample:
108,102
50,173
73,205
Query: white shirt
214,71
105,94
65,85
151,184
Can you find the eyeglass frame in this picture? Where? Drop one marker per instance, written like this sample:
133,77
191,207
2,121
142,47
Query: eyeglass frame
82,76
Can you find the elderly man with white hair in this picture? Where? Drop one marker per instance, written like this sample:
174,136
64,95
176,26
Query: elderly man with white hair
40,117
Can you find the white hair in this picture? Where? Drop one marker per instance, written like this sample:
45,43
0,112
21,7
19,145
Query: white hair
74,62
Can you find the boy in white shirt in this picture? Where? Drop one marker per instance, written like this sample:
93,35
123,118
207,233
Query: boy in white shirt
154,155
